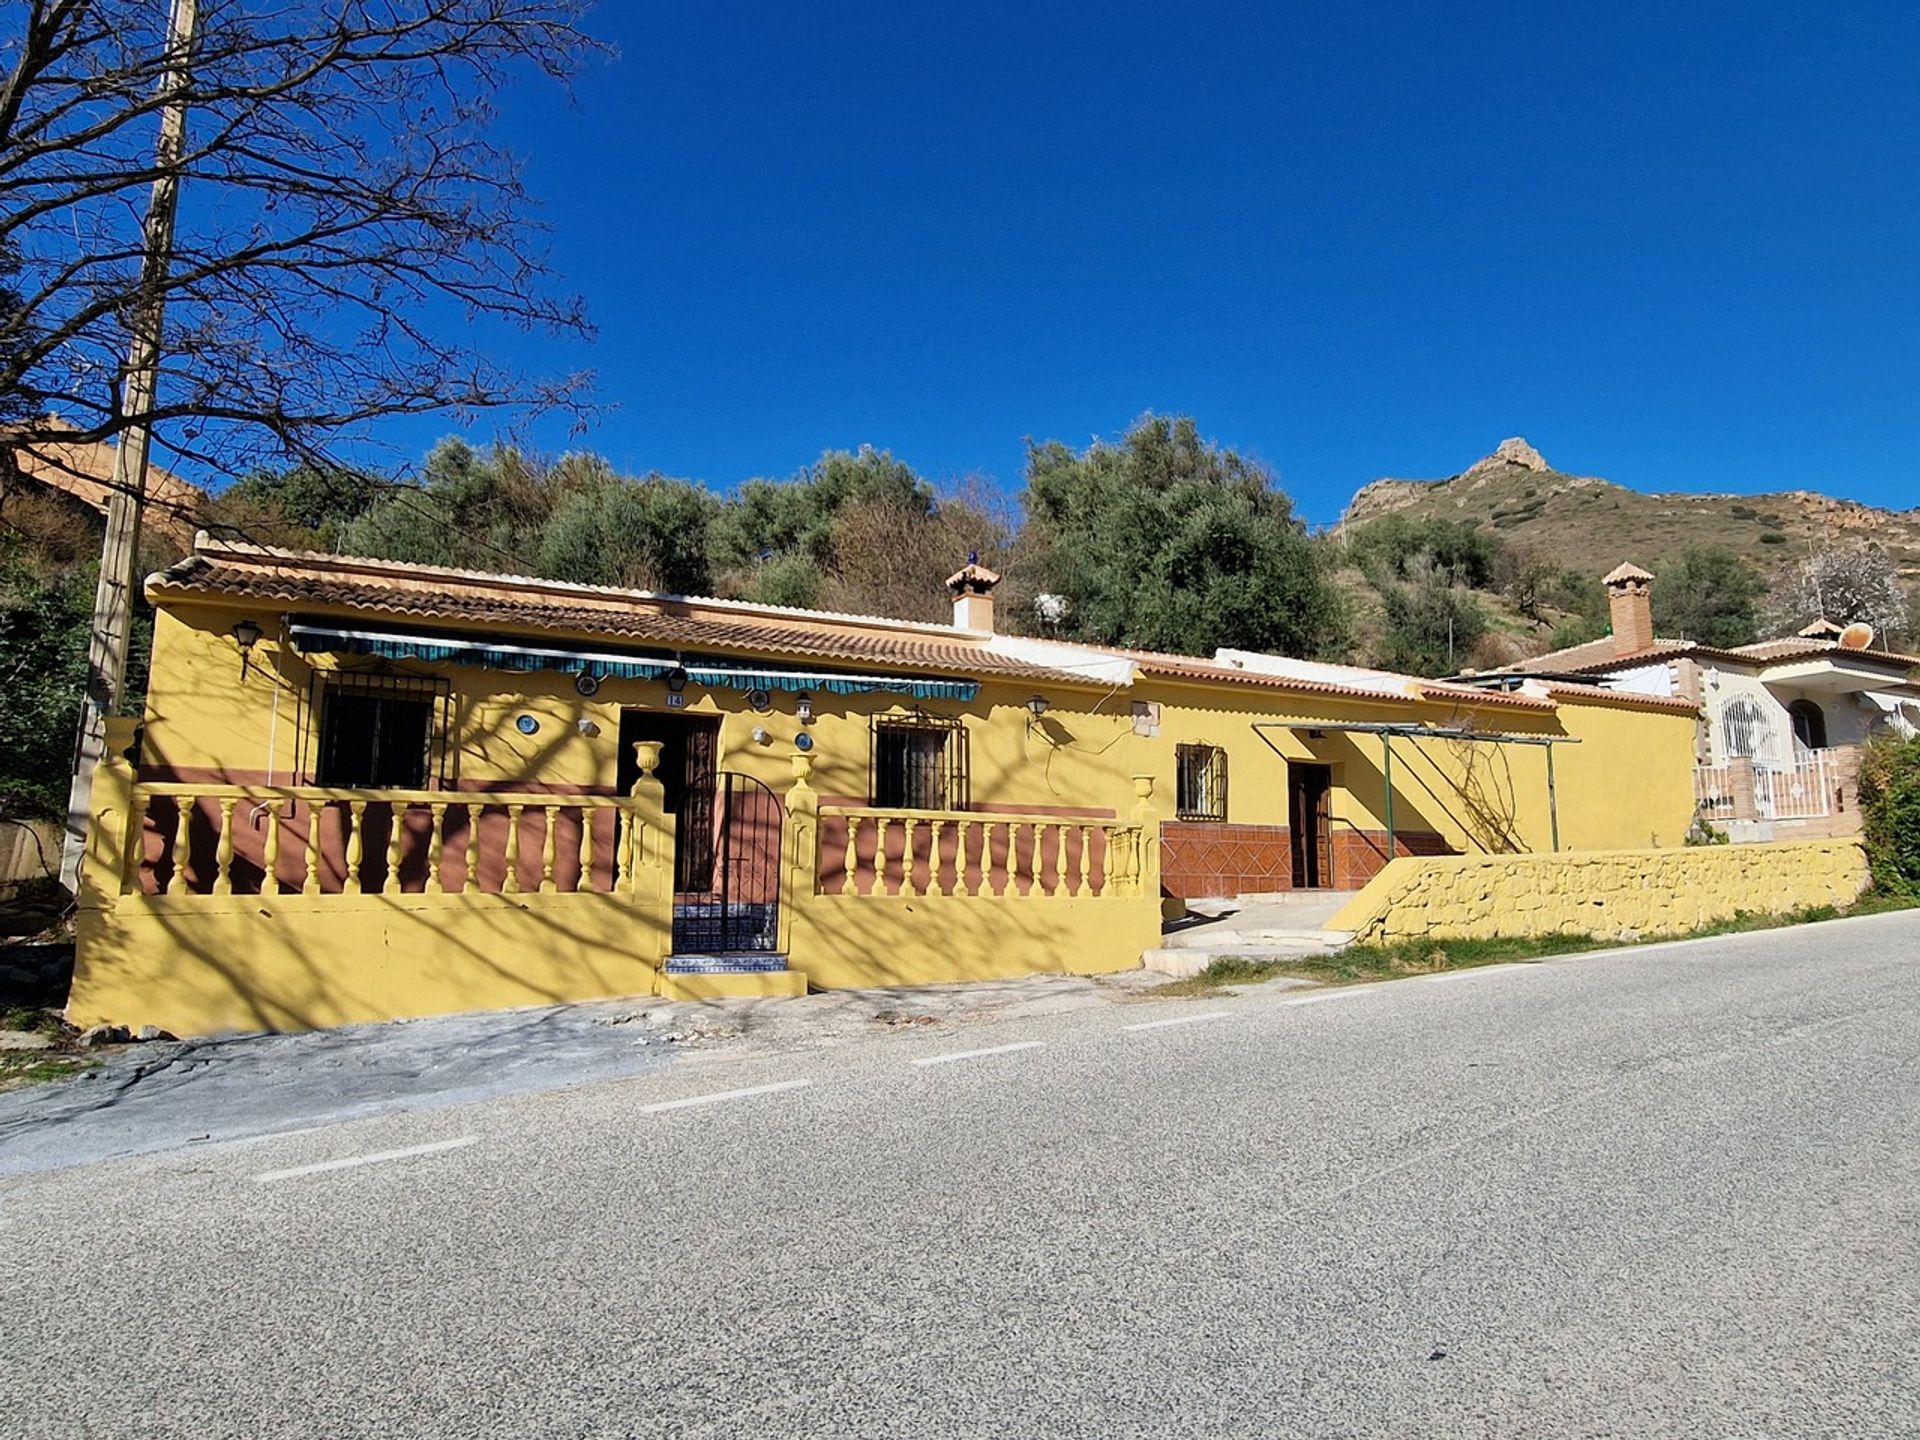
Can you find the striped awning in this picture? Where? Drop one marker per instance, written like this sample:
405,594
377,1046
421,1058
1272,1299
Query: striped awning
311,638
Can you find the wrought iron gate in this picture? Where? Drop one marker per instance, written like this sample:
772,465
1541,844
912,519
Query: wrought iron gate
727,901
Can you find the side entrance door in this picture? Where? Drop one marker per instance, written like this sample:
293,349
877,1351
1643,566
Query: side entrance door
1309,823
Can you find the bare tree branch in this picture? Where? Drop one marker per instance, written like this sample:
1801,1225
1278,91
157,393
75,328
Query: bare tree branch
346,218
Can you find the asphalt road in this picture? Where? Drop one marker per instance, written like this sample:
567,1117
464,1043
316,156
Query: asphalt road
1663,1192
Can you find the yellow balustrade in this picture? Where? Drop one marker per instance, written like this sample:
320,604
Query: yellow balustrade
991,855
232,809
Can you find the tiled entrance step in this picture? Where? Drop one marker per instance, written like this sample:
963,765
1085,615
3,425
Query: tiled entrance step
725,977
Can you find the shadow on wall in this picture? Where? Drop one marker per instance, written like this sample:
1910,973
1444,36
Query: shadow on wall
232,949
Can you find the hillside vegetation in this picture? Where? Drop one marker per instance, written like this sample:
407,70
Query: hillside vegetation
1589,525
1158,539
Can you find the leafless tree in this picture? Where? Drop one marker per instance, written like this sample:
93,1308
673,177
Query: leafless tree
347,218
1841,583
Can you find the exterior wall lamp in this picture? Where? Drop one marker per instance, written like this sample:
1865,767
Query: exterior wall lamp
1037,706
246,635
803,707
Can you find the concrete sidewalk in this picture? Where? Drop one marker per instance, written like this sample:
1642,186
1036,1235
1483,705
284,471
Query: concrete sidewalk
164,1095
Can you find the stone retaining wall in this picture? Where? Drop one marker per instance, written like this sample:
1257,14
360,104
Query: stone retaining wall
1605,893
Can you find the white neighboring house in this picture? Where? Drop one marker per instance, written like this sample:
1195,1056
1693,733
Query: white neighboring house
1781,721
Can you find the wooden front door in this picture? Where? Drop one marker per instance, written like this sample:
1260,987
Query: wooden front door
689,756
1309,823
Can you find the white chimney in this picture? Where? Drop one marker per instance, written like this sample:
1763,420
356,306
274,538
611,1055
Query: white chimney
972,586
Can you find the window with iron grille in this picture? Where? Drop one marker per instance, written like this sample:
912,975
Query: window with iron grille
1200,782
1745,728
918,764
380,732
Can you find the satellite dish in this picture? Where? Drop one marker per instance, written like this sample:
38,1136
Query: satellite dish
1857,636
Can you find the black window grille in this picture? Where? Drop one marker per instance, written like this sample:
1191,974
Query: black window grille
1200,782
919,763
381,732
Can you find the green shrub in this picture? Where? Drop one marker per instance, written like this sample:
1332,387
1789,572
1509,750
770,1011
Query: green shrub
1890,814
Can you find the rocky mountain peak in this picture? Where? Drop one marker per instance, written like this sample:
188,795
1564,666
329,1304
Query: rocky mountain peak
1514,451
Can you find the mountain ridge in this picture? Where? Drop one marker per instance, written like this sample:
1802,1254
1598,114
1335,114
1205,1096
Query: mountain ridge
1589,524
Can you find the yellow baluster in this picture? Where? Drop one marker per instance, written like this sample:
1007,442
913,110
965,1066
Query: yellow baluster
436,845
588,815
1086,858
551,815
909,862
511,884
310,882
471,885
177,883
396,832
270,882
136,854
356,846
223,850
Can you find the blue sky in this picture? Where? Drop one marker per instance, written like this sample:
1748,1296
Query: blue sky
1671,244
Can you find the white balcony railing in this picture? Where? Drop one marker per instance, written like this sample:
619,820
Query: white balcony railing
1762,790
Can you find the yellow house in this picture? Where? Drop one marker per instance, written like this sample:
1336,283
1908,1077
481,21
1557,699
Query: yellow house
363,789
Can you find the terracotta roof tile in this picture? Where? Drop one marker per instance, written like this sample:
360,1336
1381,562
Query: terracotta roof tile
295,579
1596,656
401,591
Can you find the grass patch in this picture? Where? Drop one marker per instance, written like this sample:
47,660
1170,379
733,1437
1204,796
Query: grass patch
20,1068
1362,964
61,1060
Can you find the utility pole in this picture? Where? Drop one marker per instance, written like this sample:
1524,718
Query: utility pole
111,633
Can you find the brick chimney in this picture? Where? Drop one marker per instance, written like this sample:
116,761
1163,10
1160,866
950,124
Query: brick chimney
1630,602
972,586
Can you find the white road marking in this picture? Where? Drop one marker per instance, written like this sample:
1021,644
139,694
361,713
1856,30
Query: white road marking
1334,995
1482,970
1177,1020
717,1096
976,1054
376,1157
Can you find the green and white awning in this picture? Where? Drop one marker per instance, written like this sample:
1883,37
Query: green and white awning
310,639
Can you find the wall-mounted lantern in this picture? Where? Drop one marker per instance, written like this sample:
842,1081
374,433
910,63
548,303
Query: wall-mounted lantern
1037,706
803,707
246,635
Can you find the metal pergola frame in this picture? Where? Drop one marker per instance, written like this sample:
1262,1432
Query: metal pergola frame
1387,729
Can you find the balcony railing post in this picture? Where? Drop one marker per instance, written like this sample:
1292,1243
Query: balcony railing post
471,884
396,833
356,846
589,816
310,881
510,884
223,849
270,879
550,816
436,843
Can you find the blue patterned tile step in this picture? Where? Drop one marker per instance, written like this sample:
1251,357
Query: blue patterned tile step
725,964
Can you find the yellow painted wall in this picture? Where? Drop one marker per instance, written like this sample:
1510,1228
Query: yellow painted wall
290,962
1607,893
198,963
1628,781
